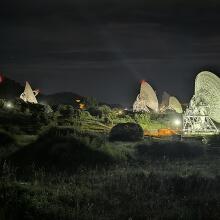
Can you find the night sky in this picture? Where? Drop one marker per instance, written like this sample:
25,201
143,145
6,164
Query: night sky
104,48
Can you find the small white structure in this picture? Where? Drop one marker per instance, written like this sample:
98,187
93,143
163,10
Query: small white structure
29,95
204,107
146,100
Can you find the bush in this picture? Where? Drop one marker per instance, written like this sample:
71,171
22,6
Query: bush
66,110
126,132
105,109
169,150
142,118
149,121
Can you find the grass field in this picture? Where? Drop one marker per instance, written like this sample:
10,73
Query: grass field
158,190
133,181
67,172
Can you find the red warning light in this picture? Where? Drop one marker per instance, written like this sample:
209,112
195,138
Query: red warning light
1,78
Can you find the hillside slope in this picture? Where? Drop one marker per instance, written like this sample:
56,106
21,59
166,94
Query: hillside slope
10,89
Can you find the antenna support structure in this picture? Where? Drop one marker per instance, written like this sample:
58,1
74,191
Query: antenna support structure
196,120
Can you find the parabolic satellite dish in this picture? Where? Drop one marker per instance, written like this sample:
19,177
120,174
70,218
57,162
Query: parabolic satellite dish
146,99
175,105
207,90
147,93
29,95
204,107
165,100
170,103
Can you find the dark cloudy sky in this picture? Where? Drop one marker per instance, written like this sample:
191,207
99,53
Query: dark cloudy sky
104,48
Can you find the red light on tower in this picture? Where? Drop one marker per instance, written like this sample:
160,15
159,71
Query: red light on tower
1,78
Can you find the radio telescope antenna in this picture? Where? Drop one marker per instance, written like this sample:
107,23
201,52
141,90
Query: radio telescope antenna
170,103
146,99
29,95
204,107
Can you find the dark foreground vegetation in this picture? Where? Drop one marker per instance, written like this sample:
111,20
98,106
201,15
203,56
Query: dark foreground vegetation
59,163
117,193
67,179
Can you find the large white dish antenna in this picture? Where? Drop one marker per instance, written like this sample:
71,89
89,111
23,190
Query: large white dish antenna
148,94
29,95
207,90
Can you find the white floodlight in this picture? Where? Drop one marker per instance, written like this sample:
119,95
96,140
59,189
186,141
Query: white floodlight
120,112
9,105
177,122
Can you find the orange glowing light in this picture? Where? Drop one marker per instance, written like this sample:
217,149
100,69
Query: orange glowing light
82,106
160,132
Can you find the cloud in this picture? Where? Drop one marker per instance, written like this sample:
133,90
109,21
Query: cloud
90,47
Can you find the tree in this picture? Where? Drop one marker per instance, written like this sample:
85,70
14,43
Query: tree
96,112
66,111
126,132
91,102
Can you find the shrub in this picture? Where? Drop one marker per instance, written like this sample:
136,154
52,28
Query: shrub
126,132
148,121
105,109
66,110
142,118
47,109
